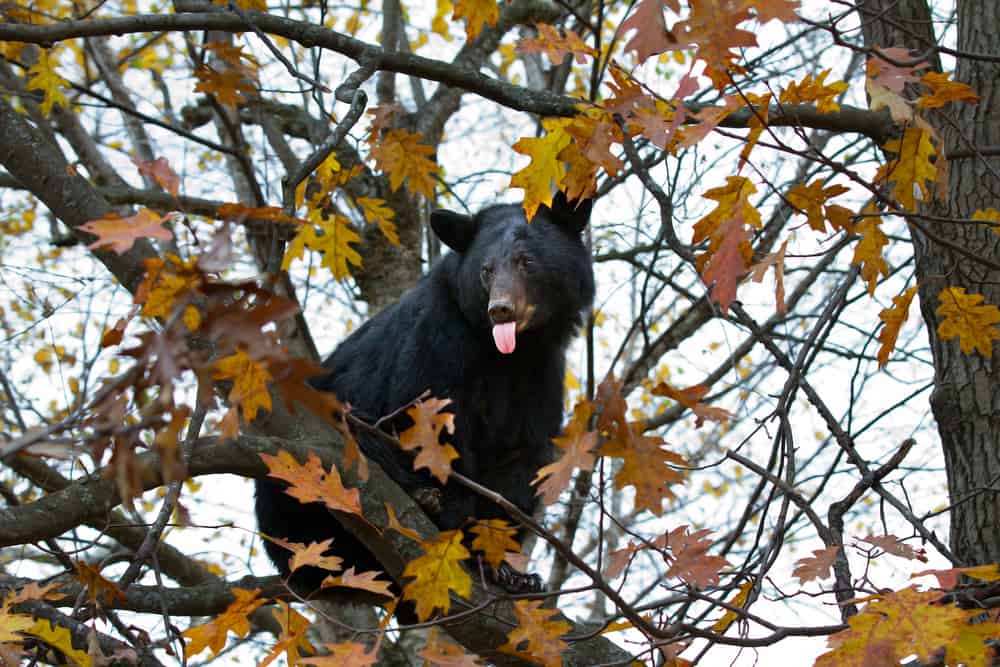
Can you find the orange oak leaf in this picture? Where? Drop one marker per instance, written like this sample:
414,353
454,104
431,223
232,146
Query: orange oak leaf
895,546
249,378
212,635
365,581
810,200
557,43
690,398
495,539
964,318
292,640
545,169
814,89
119,234
166,282
403,156
476,13
240,213
442,652
577,446
344,654
943,90
228,85
424,437
537,635
96,585
310,483
689,557
896,625
816,566
310,554
893,318
647,466
161,172
868,251
438,572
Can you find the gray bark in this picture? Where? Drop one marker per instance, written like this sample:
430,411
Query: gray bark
965,400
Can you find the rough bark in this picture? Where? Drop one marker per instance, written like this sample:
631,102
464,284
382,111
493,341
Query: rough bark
965,402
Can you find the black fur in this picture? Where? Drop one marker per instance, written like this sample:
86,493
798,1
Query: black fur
438,337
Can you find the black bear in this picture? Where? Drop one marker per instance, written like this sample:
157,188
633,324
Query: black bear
487,327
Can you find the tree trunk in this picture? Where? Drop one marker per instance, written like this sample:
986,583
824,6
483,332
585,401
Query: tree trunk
965,400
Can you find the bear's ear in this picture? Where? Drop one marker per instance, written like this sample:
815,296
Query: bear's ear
571,216
454,229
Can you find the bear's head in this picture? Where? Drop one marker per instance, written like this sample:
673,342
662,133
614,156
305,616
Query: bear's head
511,277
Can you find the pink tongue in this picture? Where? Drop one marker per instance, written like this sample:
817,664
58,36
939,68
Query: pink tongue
504,335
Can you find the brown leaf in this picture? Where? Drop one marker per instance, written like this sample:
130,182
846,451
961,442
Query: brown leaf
691,561
816,566
365,581
119,234
310,483
895,546
424,437
577,446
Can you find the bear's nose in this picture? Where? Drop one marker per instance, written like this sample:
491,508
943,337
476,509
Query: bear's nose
500,311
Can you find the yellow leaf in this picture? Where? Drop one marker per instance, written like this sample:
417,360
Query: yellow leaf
332,236
212,635
893,318
546,169
45,78
436,573
816,90
12,624
738,600
912,167
810,200
476,13
60,638
868,251
165,283
943,91
537,635
377,213
989,215
495,538
973,324
438,24
250,380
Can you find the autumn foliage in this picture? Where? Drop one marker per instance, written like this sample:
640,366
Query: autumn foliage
198,199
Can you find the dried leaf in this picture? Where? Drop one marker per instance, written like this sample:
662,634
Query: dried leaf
310,483
816,566
545,169
893,318
577,446
424,437
537,635
119,234
212,635
495,539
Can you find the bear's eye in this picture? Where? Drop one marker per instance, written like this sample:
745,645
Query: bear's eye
486,272
523,261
